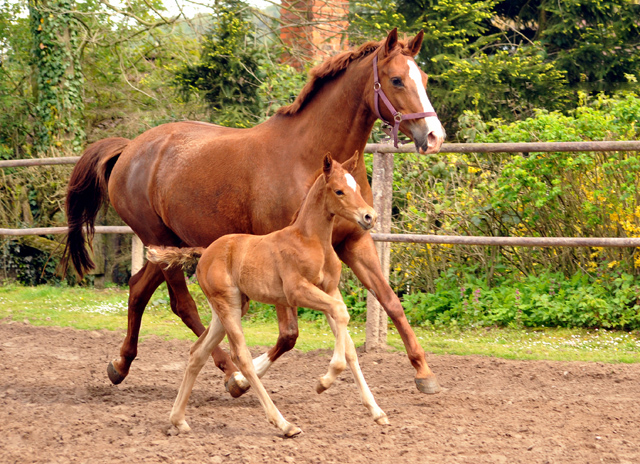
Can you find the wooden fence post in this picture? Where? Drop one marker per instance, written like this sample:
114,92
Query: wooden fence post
137,254
382,186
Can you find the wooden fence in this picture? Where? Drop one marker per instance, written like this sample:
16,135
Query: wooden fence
382,185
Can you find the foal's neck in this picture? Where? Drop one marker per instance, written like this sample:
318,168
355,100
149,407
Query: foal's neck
314,219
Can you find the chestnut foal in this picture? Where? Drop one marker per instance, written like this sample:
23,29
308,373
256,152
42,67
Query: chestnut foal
295,266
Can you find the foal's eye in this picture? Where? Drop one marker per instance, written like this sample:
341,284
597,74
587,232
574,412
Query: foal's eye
339,193
397,82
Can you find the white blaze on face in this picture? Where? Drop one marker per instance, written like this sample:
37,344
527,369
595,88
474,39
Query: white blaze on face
433,123
351,182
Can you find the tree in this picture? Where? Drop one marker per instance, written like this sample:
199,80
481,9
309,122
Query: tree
57,76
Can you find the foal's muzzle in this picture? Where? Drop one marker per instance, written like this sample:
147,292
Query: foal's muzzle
367,219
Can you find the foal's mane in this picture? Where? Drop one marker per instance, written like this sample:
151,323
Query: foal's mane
313,180
333,66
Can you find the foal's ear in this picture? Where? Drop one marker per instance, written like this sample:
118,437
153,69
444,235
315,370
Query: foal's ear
392,41
327,165
415,43
351,164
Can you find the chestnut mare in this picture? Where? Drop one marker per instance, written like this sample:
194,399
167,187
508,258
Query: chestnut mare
189,183
295,266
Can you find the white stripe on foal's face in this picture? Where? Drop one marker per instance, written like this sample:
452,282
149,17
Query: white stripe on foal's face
351,182
416,77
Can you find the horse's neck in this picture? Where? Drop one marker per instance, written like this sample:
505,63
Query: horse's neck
337,119
314,220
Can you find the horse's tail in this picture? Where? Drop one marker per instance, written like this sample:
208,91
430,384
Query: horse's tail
86,194
174,256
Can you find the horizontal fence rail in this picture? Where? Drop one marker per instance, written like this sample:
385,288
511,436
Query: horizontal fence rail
63,230
525,147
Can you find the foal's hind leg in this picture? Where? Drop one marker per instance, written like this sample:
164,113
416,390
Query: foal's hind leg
184,307
242,356
141,287
287,336
198,356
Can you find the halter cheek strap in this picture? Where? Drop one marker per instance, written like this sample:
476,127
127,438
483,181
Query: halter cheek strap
398,117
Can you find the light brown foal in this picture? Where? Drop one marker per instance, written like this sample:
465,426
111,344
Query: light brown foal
296,266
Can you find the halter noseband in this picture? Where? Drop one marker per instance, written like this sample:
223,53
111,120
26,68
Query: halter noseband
398,117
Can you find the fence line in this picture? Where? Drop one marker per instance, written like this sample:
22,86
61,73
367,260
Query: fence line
524,147
383,161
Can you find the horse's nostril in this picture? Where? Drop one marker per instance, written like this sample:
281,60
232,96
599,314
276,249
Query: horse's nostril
368,218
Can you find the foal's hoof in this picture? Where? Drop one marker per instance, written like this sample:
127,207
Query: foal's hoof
382,420
115,376
320,387
429,385
234,389
291,431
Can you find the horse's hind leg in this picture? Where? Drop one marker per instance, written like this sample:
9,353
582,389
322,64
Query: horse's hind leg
141,288
183,306
198,356
287,336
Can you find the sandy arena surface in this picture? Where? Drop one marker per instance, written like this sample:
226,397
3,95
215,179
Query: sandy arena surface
57,406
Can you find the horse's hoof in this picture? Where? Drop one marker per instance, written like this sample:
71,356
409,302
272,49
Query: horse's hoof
429,385
382,420
234,389
115,376
292,431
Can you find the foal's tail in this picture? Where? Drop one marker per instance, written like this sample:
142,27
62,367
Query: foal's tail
86,193
173,256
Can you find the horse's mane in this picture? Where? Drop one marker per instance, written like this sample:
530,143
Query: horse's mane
333,66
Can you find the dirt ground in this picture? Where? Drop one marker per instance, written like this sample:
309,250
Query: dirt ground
57,405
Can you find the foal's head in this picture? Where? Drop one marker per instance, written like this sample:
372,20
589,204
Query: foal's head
405,84
342,192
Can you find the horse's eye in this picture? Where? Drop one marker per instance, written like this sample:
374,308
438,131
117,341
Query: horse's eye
397,82
339,193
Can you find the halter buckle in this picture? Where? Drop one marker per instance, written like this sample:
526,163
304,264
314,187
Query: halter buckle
397,117
377,86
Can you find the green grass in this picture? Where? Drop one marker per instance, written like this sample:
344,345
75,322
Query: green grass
91,309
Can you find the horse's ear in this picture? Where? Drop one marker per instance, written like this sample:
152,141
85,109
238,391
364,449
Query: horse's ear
415,43
351,164
392,41
327,164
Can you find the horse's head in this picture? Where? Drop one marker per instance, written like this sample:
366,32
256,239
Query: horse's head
342,193
403,84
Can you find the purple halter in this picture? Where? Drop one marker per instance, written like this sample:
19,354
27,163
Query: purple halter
398,117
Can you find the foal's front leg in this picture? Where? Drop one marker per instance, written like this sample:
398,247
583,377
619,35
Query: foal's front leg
379,416
309,296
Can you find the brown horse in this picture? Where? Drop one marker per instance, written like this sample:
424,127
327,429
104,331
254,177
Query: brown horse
295,266
189,183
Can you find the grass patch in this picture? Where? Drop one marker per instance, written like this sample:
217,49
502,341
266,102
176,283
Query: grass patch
91,309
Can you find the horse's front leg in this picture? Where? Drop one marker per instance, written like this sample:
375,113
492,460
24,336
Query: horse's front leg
183,306
361,256
287,336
